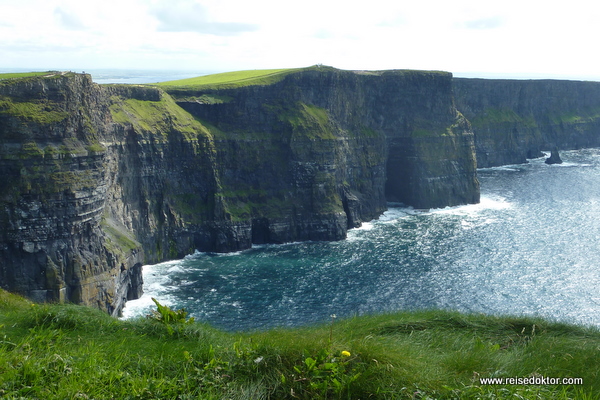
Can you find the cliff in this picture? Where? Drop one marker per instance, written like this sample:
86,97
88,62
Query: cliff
514,120
97,180
383,134
56,242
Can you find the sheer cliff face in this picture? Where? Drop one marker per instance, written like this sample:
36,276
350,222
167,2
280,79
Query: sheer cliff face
53,193
390,134
515,119
98,180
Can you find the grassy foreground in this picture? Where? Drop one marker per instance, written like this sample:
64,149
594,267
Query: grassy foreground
73,352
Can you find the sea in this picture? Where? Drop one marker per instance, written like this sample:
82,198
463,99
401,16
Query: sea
529,248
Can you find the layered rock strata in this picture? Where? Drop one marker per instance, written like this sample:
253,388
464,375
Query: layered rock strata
97,180
397,134
55,242
514,120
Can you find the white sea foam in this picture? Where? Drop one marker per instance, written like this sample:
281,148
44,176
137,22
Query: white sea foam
512,167
143,305
395,213
486,203
196,254
569,165
230,254
139,307
365,226
156,283
175,269
493,203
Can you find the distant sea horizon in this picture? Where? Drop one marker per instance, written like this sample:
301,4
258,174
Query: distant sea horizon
126,76
145,76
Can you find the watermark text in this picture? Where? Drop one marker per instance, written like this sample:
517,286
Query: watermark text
532,380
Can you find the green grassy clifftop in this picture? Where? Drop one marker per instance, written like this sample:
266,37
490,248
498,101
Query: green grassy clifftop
230,80
67,351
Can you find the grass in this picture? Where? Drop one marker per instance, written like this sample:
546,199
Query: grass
42,111
579,117
492,116
231,79
11,75
73,352
236,79
157,117
118,237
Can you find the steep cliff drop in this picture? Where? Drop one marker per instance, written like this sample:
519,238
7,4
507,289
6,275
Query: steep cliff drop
514,120
56,242
97,180
396,134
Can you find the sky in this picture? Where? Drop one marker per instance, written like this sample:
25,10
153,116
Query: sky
474,38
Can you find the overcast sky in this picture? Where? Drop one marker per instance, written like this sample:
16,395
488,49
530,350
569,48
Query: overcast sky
509,38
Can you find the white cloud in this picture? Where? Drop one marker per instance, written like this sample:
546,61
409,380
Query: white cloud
462,36
485,23
190,16
324,34
68,19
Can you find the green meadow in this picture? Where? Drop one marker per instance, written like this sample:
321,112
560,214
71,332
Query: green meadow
11,75
230,79
52,351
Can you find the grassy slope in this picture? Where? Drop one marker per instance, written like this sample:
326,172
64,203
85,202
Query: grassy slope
67,352
158,117
230,79
10,75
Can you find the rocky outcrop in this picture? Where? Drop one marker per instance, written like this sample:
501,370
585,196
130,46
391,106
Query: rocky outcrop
97,180
554,157
514,120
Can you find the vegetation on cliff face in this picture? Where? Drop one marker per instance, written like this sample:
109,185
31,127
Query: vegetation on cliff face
575,117
44,112
515,119
158,117
493,116
118,239
73,352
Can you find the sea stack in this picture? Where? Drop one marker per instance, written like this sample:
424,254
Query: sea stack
554,157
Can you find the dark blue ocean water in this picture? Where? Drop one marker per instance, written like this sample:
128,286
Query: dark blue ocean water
531,247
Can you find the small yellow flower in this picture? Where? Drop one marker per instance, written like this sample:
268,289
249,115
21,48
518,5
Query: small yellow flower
346,353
